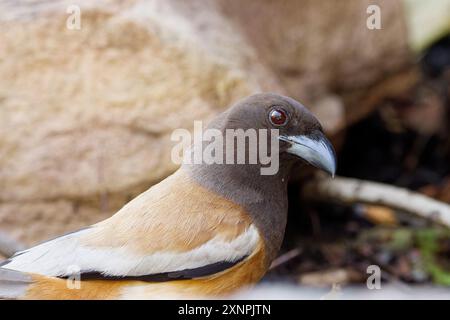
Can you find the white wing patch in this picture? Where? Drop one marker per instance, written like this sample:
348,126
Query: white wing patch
60,257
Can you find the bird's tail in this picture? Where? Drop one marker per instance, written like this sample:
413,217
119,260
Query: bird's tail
13,284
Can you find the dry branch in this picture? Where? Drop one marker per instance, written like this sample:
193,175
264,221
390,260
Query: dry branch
285,258
346,190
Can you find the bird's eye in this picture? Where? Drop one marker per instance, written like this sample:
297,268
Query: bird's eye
278,117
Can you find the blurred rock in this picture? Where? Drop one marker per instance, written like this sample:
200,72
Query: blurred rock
330,109
9,246
86,115
313,46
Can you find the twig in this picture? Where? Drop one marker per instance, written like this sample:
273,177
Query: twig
346,190
291,254
9,246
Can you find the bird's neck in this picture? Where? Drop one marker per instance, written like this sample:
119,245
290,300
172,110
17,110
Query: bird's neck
264,197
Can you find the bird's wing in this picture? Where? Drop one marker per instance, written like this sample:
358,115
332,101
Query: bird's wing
175,230
13,284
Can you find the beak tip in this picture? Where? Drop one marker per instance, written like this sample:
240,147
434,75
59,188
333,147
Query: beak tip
331,170
317,150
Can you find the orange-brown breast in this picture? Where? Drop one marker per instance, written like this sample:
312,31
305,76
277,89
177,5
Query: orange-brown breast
175,215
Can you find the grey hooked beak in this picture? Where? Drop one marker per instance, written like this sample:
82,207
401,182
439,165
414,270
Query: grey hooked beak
314,148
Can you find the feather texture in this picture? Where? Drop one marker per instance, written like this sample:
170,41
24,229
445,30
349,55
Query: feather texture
13,284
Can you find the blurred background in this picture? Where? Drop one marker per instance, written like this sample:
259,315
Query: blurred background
90,93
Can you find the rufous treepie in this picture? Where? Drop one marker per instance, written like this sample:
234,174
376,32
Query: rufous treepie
206,230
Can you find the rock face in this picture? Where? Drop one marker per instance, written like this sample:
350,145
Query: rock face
321,45
86,115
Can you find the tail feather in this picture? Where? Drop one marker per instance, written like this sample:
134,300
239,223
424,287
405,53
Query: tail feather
13,284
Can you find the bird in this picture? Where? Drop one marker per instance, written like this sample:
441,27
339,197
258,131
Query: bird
207,230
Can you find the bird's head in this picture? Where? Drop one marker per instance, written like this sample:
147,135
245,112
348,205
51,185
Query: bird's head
300,133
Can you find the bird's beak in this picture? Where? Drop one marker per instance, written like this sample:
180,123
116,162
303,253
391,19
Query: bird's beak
314,148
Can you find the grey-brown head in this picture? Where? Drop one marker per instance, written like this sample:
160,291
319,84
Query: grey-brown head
300,133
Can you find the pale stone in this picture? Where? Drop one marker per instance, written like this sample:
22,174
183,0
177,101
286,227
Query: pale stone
86,115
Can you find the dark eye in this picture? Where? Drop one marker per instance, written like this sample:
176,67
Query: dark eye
278,117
